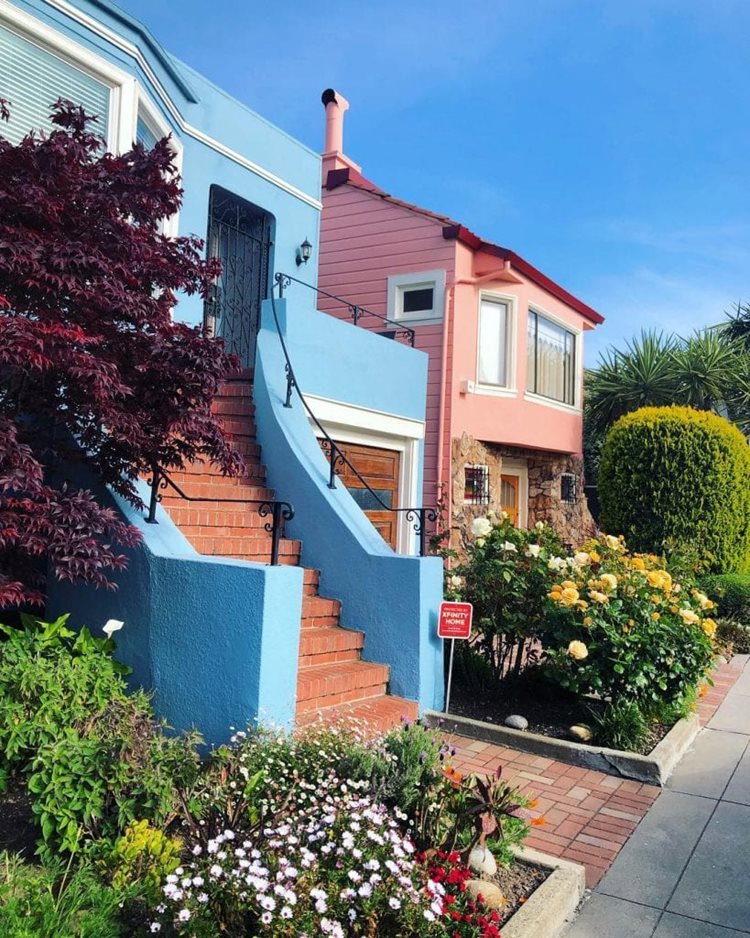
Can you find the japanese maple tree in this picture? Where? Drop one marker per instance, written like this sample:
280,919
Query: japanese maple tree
93,370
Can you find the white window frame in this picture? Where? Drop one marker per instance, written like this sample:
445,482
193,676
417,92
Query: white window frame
520,469
576,406
359,425
511,351
126,95
421,279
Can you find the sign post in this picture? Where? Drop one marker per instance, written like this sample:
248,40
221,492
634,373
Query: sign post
454,622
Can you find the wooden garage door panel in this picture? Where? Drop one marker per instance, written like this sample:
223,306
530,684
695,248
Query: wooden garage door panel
381,469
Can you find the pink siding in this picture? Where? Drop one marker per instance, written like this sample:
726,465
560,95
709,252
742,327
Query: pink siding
365,240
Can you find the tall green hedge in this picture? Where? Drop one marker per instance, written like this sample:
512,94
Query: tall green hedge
680,476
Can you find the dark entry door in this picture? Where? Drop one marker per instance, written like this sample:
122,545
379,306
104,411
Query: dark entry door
239,234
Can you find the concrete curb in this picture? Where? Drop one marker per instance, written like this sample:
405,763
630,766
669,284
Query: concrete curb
655,768
546,911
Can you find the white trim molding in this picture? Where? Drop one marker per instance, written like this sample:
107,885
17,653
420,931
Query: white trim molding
511,345
418,279
350,423
577,333
9,11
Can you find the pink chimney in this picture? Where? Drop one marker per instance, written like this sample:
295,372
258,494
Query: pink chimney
333,151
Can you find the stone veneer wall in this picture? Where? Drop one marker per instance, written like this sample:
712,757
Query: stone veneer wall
572,521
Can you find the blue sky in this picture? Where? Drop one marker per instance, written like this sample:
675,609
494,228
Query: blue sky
607,141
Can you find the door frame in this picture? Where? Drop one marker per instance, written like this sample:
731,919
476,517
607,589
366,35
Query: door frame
520,469
359,425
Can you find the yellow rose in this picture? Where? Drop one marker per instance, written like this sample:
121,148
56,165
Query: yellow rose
582,605
595,558
608,581
614,543
689,617
598,597
655,616
709,627
703,600
588,621
569,585
569,596
656,599
637,563
578,651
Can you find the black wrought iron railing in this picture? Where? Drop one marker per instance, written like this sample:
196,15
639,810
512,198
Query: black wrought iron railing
418,517
356,312
279,511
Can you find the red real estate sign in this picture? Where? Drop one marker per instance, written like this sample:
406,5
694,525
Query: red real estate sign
455,620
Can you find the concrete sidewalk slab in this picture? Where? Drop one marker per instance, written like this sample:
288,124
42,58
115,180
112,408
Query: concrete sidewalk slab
607,917
707,768
738,789
650,864
714,886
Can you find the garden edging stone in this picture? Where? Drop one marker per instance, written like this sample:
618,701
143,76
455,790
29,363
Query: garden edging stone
547,909
654,768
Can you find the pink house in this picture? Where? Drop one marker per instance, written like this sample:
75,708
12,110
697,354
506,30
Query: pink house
505,344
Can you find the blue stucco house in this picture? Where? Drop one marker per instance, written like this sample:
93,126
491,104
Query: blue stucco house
345,622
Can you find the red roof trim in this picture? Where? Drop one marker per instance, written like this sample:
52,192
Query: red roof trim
459,233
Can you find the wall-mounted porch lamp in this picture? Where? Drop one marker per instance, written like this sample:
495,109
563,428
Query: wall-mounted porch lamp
304,252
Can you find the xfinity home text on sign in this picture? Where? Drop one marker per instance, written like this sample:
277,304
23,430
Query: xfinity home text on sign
455,620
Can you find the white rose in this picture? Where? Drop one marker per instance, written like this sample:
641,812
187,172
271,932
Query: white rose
455,581
557,563
581,558
479,542
481,527
539,525
510,547
533,550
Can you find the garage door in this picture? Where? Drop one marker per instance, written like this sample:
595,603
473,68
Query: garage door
381,469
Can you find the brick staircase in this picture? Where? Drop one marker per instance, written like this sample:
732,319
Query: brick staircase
333,681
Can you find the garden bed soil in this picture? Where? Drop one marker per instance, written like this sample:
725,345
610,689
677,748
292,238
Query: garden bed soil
518,883
549,710
18,833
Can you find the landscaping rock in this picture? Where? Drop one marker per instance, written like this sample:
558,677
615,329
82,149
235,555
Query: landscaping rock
581,732
492,894
482,861
517,722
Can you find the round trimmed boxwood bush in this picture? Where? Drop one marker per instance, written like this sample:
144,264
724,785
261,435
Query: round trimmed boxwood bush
672,476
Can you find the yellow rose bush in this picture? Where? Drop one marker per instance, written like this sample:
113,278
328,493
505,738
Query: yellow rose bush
621,627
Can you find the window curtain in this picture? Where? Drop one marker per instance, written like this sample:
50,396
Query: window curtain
551,360
32,79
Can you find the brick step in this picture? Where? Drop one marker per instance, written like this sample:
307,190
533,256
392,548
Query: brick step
311,582
239,428
247,546
196,471
328,685
329,646
377,715
285,560
315,609
243,447
219,489
233,406
221,519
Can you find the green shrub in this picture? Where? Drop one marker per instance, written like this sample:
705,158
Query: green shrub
51,678
681,476
56,902
144,856
732,594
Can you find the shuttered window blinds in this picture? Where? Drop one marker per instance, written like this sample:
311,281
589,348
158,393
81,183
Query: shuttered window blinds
32,79
145,135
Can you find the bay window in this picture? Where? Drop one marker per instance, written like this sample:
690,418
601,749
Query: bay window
551,360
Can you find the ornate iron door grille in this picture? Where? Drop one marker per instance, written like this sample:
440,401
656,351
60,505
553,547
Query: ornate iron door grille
239,234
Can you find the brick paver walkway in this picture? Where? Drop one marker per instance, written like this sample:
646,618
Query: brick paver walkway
589,815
